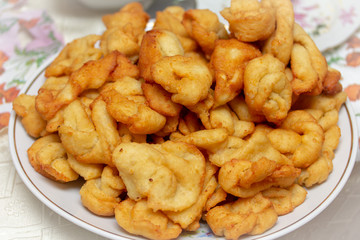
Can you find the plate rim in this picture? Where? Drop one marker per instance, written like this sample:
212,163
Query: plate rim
103,232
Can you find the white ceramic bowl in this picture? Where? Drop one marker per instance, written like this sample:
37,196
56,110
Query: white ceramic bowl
111,4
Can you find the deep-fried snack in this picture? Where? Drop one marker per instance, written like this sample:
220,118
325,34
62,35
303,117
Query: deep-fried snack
189,123
170,19
48,157
138,218
24,106
285,200
92,74
127,136
74,55
124,67
267,89
85,170
250,216
308,65
243,178
126,104
202,109
189,218
205,28
160,100
312,137
331,83
250,20
217,197
228,61
254,147
96,200
155,45
238,105
187,79
319,171
131,19
90,139
156,171
280,43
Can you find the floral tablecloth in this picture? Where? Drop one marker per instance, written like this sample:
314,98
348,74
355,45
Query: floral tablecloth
29,36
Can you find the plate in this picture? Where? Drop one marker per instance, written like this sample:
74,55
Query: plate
64,199
328,22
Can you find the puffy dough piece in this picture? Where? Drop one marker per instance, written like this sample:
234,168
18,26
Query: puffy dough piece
160,100
308,65
190,217
188,79
251,216
312,137
24,106
229,60
74,55
49,158
138,218
285,200
85,170
319,171
280,43
155,45
331,82
124,67
92,74
115,39
156,171
241,109
243,178
254,147
170,19
125,102
267,89
90,139
321,102
131,19
101,195
250,20
205,28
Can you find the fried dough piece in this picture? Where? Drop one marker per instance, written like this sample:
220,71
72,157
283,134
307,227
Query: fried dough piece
85,170
24,106
280,43
124,67
155,45
189,218
242,111
127,136
74,55
322,102
89,138
267,89
189,123
331,82
170,19
131,19
156,171
160,100
250,216
92,74
48,157
319,171
98,201
205,28
308,65
254,147
285,200
217,197
243,178
228,61
250,20
202,109
186,78
125,102
312,137
138,218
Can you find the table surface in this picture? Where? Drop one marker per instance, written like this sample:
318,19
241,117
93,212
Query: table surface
341,220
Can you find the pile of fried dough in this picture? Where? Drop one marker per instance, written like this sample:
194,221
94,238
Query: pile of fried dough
189,121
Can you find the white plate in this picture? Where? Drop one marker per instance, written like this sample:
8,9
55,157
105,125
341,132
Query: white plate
64,199
329,22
